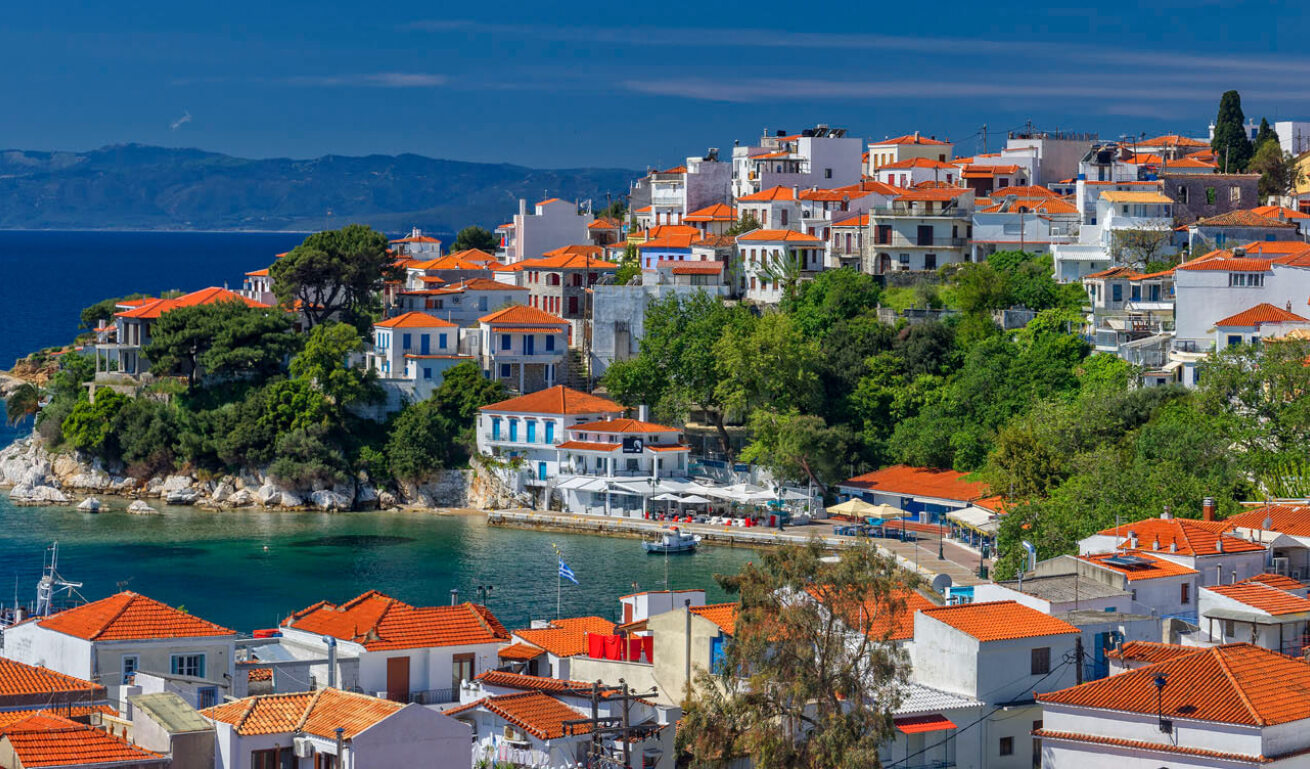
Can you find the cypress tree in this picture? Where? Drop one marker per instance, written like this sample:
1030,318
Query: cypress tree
1265,134
1230,142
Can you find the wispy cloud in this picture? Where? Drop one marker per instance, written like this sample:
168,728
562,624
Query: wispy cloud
176,124
370,80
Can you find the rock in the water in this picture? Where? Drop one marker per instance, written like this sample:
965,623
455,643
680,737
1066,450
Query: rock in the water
386,499
139,507
182,497
241,498
89,505
367,497
26,494
223,491
328,500
268,495
289,499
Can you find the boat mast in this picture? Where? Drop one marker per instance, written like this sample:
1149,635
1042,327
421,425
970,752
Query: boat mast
51,583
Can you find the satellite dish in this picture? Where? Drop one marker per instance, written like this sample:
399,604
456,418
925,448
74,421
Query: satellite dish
941,583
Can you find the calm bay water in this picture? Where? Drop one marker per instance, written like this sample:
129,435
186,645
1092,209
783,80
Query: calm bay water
248,569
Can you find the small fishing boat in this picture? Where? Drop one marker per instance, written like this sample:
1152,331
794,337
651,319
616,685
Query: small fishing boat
672,540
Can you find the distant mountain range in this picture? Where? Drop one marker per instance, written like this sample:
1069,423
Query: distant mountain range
134,186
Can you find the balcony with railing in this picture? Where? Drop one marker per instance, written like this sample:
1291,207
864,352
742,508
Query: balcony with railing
899,240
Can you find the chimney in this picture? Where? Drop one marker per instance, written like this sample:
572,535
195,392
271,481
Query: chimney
1155,544
643,413
523,207
1165,514
1173,545
1132,540
1219,544
1207,509
916,137
1239,252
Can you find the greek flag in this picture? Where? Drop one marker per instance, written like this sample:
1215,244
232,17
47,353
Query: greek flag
566,572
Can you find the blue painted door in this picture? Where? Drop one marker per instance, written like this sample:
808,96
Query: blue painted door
529,344
424,348
541,471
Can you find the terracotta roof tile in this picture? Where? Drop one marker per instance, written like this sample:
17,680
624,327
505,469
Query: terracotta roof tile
769,195
693,268
1150,652
1274,212
71,712
622,426
1224,261
519,314
557,400
45,739
588,446
1173,140
213,295
915,163
1293,520
414,320
1144,567
538,683
1234,683
379,622
780,236
566,637
319,713
1241,218
519,651
920,481
907,139
1275,580
1191,537
719,212
896,626
999,620
128,616
18,679
934,194
722,614
1260,314
1144,745
1262,597
536,713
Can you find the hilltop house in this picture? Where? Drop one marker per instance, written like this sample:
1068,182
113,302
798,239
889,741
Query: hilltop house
924,229
523,347
413,351
772,259
821,157
552,224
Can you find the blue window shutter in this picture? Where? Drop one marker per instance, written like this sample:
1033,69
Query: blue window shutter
405,341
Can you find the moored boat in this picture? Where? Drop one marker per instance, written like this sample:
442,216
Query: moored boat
673,540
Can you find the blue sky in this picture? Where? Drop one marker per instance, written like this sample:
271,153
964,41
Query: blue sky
619,84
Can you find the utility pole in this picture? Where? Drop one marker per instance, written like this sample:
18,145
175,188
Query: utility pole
619,727
984,138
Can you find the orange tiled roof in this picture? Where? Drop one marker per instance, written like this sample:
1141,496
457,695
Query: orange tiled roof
258,273
1224,261
519,314
560,259
1280,248
415,239
1275,580
916,163
907,139
715,241
46,739
18,679
71,712
213,295
1153,568
414,320
1241,218
1260,314
935,194
566,637
588,446
319,713
605,223
128,616
1233,683
855,221
519,651
480,284
769,195
1189,162
719,212
380,622
1118,271
557,400
1192,537
920,481
1293,520
622,426
677,240
1173,140
693,268
999,620
1273,212
1150,652
1145,746
535,712
779,236
1265,598
896,626
722,614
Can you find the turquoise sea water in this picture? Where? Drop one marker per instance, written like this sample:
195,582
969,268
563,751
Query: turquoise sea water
249,569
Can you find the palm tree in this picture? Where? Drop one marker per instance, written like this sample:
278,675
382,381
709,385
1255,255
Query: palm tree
22,403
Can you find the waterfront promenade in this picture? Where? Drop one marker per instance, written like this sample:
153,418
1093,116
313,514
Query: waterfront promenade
960,563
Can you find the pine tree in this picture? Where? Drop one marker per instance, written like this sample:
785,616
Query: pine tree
1230,143
1265,134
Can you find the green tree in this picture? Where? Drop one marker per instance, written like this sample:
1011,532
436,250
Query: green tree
336,273
810,680
420,442
225,339
1265,135
1138,247
629,266
769,362
323,361
1230,144
798,446
616,210
475,238
833,296
1279,172
744,224
90,426
103,310
981,288
146,431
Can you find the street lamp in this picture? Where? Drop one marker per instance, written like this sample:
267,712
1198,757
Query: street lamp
1160,680
484,591
941,532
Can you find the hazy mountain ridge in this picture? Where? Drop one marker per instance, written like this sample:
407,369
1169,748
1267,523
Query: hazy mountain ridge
135,186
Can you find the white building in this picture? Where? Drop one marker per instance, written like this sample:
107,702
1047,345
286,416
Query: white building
816,157
925,229
382,646
553,224
775,208
1227,706
712,220
911,171
1262,322
1225,283
530,427
601,460
547,648
111,640
1257,611
462,302
999,654
1203,545
1025,221
772,258
523,347
416,245
908,147
698,183
334,728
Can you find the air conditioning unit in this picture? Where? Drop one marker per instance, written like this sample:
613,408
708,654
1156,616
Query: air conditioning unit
302,747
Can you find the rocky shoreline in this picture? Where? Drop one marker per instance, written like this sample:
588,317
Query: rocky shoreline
37,476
